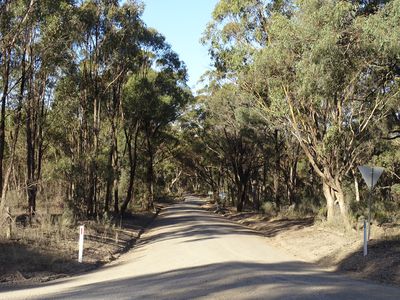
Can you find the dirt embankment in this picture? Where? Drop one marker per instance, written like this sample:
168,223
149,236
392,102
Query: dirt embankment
41,253
317,242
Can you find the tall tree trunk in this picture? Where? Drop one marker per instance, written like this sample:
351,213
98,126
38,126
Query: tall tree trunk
110,176
356,188
173,182
330,201
34,141
264,178
5,79
92,189
17,125
111,167
113,159
30,123
132,156
150,175
242,194
333,193
255,195
292,181
277,195
116,174
340,198
92,197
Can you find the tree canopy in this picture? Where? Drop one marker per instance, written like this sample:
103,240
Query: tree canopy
96,114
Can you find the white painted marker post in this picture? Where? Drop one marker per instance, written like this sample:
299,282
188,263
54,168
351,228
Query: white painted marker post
365,239
81,233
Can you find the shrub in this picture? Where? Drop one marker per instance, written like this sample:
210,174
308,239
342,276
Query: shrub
269,209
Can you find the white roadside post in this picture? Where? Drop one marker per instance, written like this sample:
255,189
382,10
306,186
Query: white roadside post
365,238
81,234
370,176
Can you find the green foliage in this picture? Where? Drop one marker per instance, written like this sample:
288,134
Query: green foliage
85,75
269,209
302,92
324,74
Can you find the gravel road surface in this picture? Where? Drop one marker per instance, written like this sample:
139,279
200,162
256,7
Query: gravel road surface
189,253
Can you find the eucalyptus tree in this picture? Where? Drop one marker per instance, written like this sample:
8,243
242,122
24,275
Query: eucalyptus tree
33,52
237,32
156,99
94,30
329,72
47,54
14,16
107,48
64,69
324,71
122,55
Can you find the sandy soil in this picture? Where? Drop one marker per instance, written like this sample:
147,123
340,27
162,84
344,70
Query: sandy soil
317,242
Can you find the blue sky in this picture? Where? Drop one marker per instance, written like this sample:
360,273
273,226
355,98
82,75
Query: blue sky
182,22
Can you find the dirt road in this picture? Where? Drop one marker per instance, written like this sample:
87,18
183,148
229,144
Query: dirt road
189,254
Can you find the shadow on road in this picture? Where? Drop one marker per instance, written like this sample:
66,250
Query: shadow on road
191,221
235,279
231,279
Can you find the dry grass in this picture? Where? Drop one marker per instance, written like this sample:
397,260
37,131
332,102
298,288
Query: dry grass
46,250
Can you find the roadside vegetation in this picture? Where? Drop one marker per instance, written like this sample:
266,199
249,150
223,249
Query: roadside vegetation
89,97
301,94
97,122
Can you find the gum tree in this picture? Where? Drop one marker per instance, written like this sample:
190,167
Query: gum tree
329,73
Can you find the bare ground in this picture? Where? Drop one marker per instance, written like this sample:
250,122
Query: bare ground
328,246
43,253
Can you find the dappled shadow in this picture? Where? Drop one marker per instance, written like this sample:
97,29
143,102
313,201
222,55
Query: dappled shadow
382,262
237,280
189,220
262,223
253,278
134,221
273,228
